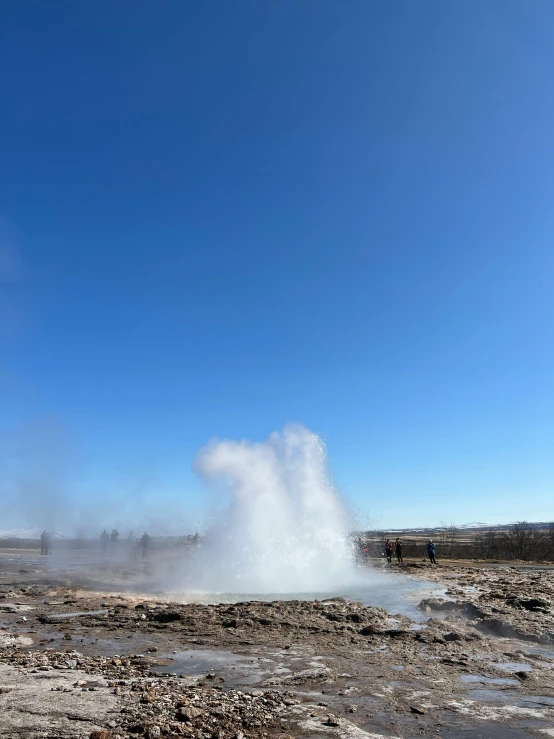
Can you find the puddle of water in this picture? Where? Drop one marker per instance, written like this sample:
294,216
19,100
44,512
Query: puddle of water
534,700
234,668
200,661
488,680
79,613
540,651
484,731
511,666
487,695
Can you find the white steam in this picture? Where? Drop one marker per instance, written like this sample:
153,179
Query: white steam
285,529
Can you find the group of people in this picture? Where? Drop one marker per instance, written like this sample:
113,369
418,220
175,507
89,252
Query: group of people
108,542
397,546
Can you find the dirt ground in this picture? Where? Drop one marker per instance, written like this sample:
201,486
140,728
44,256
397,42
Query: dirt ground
88,649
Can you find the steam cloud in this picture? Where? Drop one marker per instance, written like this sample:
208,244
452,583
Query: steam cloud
285,529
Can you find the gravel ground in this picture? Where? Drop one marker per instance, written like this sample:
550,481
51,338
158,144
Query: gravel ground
80,661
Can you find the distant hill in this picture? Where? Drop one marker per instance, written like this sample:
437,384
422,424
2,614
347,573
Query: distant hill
32,533
466,527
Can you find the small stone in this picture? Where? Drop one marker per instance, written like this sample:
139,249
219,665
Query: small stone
332,720
418,710
188,713
154,732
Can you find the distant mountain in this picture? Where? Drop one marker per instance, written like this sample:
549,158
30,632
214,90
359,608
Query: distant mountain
473,526
32,533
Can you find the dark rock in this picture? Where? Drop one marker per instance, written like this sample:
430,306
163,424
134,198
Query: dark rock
529,604
355,617
368,630
165,617
522,675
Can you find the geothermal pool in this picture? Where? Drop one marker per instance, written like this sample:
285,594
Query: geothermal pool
397,594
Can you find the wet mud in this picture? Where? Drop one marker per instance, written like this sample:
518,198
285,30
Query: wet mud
84,654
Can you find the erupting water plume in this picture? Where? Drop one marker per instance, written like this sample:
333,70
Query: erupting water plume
285,529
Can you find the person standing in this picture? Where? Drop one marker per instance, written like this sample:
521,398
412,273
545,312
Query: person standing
398,548
388,551
145,541
43,542
113,539
431,552
132,541
104,539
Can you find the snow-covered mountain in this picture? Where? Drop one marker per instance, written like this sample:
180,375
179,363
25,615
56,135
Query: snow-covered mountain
32,533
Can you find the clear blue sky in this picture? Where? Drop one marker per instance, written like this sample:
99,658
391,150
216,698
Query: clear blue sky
219,217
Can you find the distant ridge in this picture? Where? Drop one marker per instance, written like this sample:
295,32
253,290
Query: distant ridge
32,533
473,526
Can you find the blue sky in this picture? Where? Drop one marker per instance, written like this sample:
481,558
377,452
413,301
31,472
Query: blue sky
220,217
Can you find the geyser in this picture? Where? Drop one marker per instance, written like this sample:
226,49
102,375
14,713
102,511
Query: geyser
284,529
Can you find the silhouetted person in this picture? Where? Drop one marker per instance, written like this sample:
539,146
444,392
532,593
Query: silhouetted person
388,551
431,551
145,541
43,542
398,548
113,539
104,540
132,540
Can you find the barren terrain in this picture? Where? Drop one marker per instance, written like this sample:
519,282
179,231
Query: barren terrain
88,650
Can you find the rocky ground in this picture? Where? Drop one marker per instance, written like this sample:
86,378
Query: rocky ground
78,662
